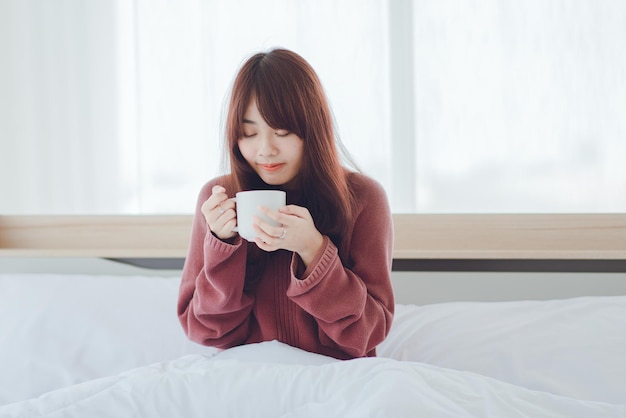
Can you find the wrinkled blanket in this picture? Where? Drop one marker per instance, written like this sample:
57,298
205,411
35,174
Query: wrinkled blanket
275,380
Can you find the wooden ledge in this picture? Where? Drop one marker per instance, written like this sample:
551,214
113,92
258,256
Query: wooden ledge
510,236
150,236
417,236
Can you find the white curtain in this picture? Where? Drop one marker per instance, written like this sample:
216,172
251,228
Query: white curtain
455,106
59,149
520,105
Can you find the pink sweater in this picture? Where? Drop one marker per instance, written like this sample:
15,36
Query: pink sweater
235,293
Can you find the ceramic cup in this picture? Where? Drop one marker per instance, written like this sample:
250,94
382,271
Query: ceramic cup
248,203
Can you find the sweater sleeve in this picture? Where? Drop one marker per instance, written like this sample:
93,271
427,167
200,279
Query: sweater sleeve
212,306
352,301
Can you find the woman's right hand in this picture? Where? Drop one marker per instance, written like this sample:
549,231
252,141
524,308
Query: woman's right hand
219,213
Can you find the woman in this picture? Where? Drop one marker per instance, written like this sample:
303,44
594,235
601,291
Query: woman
321,280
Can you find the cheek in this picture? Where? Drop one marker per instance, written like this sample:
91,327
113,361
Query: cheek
299,155
246,150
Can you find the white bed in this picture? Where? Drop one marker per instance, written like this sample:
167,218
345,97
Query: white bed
91,345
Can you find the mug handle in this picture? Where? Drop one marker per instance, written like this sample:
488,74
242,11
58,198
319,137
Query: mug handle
235,229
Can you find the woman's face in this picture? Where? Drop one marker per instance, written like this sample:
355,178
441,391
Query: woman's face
274,154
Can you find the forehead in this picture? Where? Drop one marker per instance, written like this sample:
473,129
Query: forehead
252,113
253,117
267,111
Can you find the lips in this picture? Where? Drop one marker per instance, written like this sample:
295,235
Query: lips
271,167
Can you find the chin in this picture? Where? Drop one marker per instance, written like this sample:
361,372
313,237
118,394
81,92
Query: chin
272,181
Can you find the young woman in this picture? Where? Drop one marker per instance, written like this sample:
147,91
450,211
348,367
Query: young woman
321,280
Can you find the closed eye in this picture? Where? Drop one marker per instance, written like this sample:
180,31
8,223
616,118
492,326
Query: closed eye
283,133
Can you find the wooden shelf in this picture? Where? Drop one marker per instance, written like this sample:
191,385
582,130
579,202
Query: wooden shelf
417,236
510,236
95,235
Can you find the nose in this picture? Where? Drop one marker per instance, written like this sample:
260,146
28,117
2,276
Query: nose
267,148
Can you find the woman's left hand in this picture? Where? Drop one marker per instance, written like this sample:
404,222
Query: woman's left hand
297,232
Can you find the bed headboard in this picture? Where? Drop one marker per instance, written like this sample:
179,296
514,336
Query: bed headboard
529,242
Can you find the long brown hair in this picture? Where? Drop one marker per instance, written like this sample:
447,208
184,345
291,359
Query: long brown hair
289,95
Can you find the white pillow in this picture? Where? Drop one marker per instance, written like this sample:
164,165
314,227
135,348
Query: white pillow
573,347
58,330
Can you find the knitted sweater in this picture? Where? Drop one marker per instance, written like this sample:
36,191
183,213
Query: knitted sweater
234,293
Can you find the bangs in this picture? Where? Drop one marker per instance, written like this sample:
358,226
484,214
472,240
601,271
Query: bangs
280,100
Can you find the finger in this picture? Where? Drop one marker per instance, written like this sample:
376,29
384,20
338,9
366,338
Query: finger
276,216
271,235
224,224
227,228
218,189
261,239
223,207
217,216
227,216
211,208
212,203
218,200
271,231
207,210
261,244
295,210
227,204
265,246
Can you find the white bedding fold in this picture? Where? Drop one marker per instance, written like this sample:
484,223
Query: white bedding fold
274,380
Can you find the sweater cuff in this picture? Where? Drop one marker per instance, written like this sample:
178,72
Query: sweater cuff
315,271
214,246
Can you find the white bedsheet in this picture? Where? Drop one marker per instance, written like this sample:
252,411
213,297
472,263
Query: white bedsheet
116,338
61,329
246,382
571,347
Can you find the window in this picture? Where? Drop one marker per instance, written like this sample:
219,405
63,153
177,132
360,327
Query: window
457,106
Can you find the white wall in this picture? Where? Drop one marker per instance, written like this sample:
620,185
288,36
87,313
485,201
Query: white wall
435,287
456,106
58,119
409,287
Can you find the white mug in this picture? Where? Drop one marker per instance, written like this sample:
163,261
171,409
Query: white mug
248,203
